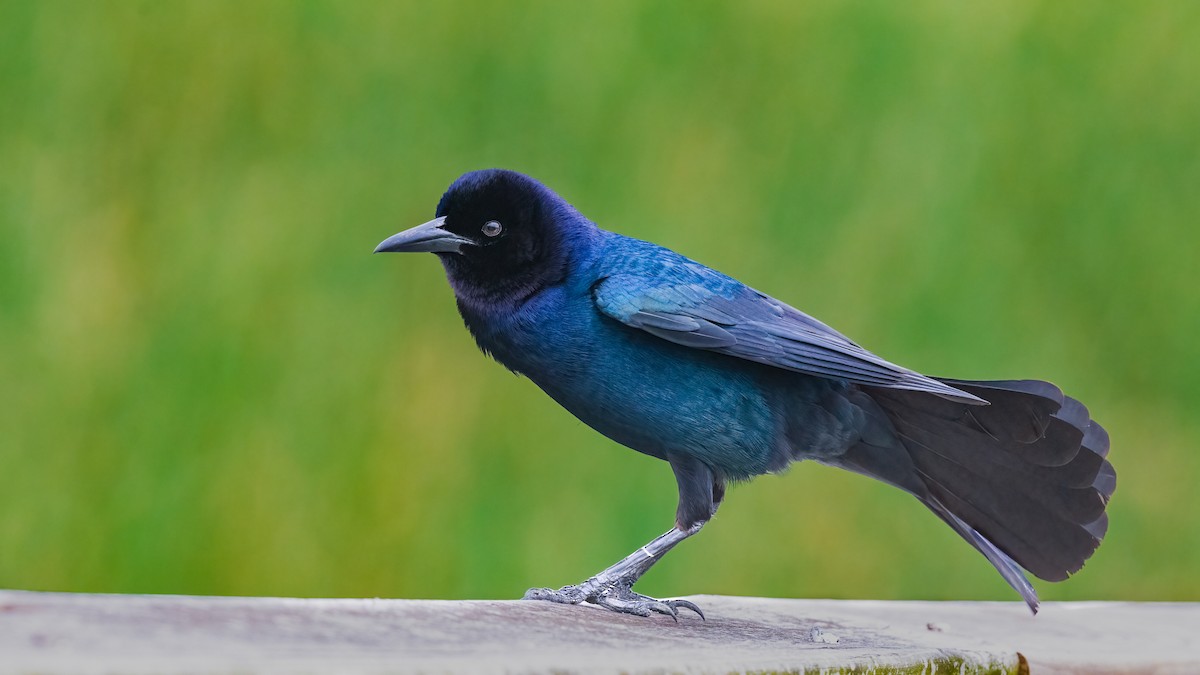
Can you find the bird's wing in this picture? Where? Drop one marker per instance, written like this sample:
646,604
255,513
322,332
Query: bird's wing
694,306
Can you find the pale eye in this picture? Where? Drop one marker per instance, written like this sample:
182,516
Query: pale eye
492,228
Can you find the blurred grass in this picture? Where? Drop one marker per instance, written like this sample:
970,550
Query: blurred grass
208,385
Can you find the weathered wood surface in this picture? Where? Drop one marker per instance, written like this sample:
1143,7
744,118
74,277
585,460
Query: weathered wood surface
67,633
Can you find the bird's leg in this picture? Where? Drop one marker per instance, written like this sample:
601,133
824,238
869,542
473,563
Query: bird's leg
700,493
613,588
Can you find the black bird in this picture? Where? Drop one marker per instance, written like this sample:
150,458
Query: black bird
723,382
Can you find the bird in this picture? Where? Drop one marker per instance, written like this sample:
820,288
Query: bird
678,361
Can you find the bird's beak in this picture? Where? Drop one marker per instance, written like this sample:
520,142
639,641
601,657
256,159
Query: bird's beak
429,237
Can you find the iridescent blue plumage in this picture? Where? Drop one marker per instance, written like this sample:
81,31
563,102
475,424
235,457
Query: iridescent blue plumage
683,363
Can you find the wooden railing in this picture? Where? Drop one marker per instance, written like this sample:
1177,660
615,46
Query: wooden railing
69,633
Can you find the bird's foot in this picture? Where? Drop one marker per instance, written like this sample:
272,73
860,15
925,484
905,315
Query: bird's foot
618,597
623,599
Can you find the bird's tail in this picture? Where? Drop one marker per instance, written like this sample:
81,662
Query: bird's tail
1024,480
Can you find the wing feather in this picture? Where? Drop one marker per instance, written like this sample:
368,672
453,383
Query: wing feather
694,306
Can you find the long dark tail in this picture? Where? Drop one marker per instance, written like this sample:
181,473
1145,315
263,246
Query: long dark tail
1024,480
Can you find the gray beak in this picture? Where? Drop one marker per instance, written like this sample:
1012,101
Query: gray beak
426,238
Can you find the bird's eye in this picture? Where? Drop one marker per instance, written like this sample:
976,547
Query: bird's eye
492,228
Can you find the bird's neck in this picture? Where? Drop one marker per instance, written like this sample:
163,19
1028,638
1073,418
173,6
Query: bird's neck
483,296
492,311
493,315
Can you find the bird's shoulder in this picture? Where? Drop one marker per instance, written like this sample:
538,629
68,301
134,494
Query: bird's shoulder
631,268
641,277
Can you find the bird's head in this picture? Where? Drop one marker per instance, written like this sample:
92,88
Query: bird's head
499,233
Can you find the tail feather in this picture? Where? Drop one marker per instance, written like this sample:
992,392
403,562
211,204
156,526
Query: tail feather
1106,480
1095,439
1025,479
1049,549
1046,546
952,449
1074,413
1019,410
1098,527
1008,568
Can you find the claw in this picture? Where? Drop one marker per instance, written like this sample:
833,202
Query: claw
664,608
687,605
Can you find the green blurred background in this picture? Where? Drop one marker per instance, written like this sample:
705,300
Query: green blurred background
209,385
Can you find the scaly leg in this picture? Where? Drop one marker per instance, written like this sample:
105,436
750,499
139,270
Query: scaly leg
700,493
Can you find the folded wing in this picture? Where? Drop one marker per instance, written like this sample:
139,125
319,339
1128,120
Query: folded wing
696,307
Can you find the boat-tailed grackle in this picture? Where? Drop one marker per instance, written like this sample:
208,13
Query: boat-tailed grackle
723,382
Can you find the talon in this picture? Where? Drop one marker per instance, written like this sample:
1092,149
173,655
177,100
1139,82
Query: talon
664,608
687,605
